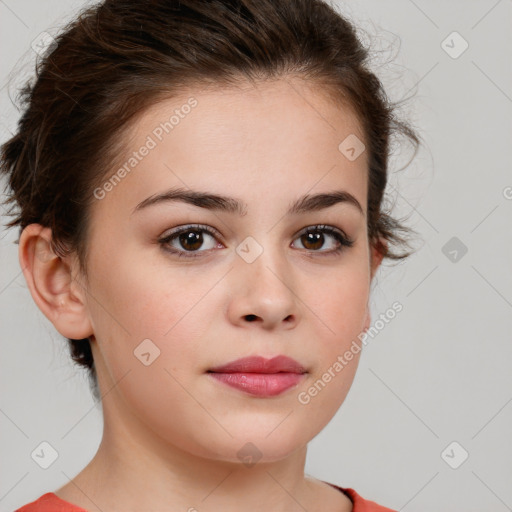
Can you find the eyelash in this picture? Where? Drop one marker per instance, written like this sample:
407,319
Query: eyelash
344,242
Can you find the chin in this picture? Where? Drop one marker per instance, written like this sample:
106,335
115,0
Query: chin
258,446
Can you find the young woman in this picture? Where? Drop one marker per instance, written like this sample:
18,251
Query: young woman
200,189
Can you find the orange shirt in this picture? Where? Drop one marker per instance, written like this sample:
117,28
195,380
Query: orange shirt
50,502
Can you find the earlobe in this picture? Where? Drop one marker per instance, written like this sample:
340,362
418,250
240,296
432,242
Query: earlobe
50,281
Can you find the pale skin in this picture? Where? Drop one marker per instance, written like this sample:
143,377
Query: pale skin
171,433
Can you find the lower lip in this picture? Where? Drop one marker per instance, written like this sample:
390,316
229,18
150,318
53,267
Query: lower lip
260,384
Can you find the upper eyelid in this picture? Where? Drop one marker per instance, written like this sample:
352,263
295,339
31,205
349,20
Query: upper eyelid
323,227
190,227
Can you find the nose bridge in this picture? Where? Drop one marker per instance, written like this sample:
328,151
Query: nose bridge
263,262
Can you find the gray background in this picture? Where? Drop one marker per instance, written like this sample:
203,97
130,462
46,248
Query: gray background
439,372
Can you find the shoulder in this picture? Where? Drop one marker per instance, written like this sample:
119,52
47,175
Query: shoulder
359,503
49,502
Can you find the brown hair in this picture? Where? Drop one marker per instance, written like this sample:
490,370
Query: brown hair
118,57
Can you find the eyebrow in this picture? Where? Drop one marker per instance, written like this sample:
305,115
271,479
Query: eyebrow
209,201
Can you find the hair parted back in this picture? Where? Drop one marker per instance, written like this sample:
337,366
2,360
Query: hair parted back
120,56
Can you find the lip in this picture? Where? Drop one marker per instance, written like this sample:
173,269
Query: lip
258,364
259,376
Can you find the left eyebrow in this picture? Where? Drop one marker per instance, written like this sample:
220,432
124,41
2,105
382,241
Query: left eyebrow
209,201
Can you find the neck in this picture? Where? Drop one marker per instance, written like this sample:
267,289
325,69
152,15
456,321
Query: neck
132,472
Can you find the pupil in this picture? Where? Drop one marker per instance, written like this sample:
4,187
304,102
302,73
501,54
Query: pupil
314,238
187,240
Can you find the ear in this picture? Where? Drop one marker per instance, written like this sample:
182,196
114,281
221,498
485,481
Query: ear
377,255
52,281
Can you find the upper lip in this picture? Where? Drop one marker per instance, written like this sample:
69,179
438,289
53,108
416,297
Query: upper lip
258,364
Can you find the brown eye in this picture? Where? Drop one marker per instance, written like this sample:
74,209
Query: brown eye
312,241
314,238
189,241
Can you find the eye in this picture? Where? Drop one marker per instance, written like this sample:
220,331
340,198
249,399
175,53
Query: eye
186,240
314,237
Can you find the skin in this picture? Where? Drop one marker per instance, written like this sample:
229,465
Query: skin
171,432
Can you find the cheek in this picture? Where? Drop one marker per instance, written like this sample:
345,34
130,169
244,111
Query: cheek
341,305
136,301
340,302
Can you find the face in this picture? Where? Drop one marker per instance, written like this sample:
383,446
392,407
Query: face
165,308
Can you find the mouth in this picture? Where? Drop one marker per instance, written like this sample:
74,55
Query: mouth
260,377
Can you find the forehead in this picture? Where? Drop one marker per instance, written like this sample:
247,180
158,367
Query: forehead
257,139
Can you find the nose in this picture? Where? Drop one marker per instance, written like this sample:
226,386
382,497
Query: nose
262,293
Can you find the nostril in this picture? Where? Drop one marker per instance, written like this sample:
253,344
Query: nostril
250,318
